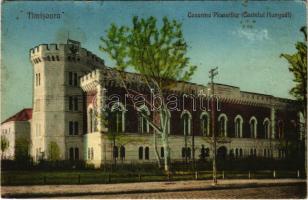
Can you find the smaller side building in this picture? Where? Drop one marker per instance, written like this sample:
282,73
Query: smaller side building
16,132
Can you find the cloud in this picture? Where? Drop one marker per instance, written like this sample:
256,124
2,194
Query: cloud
252,34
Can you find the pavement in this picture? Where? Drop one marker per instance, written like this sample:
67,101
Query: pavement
140,187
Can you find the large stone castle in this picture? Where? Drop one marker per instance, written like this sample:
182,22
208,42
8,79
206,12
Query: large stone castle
71,85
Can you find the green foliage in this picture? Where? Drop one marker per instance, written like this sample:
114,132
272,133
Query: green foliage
54,151
298,66
155,52
4,143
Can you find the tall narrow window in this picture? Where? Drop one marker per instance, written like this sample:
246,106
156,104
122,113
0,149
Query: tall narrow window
122,152
117,118
76,128
253,127
39,78
143,126
188,151
140,153
204,124
222,125
115,152
70,78
70,103
76,154
186,122
238,126
75,79
146,153
71,157
241,153
71,128
266,125
76,103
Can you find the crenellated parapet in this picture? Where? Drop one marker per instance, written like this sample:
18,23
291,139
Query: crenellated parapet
112,78
64,52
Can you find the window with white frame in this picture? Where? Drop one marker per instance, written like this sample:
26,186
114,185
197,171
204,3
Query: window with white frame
267,130
205,125
253,127
143,125
238,126
186,122
222,125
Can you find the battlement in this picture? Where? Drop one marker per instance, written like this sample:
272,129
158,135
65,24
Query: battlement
60,52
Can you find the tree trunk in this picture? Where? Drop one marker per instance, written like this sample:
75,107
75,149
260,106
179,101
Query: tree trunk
156,151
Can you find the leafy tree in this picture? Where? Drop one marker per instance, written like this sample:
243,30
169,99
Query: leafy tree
4,145
298,66
158,55
54,151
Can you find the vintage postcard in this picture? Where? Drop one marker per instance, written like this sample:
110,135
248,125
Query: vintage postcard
154,99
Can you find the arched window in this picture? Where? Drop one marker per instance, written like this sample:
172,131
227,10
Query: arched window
71,154
117,118
267,130
253,127
222,125
186,122
143,125
162,152
140,153
238,120
76,154
53,58
146,153
205,125
280,129
48,58
115,152
122,152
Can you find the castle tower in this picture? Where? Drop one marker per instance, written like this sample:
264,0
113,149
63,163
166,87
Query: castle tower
58,122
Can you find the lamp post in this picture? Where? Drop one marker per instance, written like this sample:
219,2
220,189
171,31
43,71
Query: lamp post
212,73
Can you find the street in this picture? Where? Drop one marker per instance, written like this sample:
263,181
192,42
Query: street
273,192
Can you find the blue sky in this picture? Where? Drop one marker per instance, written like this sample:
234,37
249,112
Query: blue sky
247,58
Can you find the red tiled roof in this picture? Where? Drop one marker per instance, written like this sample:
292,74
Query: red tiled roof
23,115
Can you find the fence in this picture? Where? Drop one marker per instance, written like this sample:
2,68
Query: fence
105,178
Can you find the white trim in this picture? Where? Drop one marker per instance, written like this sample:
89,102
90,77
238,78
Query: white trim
204,113
241,126
223,115
255,127
146,109
123,110
189,121
268,134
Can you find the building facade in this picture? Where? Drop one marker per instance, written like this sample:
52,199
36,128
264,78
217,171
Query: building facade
16,131
72,86
247,124
58,113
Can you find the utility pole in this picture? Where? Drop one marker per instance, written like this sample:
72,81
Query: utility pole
212,73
